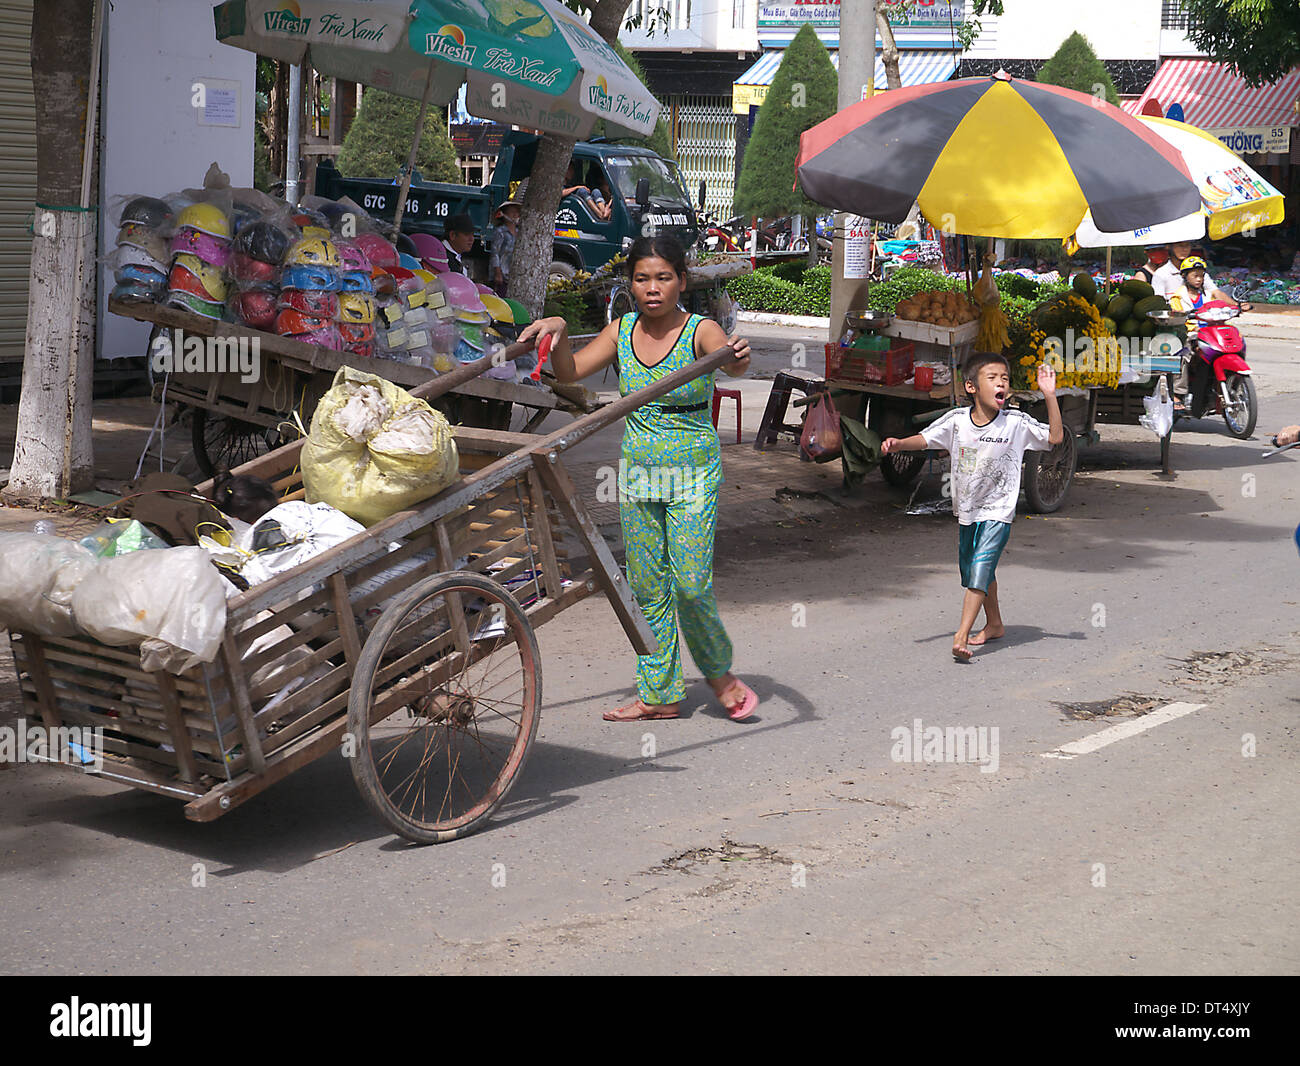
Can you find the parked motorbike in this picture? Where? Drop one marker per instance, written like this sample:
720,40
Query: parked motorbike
720,236
1219,379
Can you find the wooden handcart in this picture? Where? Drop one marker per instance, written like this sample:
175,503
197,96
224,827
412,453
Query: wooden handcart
410,646
232,420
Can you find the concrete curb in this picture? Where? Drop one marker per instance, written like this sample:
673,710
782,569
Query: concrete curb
766,318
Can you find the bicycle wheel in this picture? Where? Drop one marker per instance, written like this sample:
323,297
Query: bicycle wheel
443,717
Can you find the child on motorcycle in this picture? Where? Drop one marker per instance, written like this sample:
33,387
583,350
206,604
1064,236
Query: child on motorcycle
1189,298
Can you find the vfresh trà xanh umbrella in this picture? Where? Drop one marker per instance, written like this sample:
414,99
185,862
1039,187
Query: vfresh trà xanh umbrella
1233,196
531,63
995,157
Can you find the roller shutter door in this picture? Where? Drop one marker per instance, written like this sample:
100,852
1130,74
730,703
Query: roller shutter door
17,172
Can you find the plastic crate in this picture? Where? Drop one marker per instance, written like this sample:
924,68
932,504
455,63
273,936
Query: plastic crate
892,367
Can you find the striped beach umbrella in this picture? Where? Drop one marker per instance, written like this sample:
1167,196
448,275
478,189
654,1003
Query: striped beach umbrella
995,157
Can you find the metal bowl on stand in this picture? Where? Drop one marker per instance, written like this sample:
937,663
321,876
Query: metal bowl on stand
1168,318
868,321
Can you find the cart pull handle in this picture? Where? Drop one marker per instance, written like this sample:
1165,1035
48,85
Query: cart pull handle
443,383
543,350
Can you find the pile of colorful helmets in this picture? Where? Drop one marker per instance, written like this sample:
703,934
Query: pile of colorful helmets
140,260
309,286
255,256
200,251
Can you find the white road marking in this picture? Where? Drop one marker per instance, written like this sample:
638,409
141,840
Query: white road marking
1122,731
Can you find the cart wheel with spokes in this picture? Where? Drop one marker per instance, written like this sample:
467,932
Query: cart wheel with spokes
220,440
444,707
899,468
1048,475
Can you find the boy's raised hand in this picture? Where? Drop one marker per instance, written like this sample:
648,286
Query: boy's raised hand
1047,379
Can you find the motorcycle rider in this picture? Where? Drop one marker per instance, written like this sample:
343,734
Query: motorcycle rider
1189,297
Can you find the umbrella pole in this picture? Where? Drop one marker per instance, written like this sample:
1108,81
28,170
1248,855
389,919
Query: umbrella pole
1107,288
415,147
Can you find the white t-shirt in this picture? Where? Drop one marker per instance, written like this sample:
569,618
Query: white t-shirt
986,460
1169,279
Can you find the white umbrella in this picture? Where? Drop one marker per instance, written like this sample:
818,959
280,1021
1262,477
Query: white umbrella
1233,196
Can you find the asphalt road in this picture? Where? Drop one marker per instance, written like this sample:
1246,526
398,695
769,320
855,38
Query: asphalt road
805,840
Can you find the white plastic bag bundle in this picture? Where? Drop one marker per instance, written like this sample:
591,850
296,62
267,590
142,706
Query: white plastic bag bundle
170,601
373,450
38,574
301,530
1159,417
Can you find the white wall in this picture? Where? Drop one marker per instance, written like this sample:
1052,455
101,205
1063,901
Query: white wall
152,140
1034,29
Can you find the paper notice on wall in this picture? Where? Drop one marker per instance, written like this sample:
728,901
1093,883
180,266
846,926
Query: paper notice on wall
216,101
857,246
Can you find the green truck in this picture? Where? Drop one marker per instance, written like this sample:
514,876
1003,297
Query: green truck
645,189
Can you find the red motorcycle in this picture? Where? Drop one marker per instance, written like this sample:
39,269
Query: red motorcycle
1219,380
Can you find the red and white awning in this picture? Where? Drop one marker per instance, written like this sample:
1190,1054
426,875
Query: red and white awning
1214,98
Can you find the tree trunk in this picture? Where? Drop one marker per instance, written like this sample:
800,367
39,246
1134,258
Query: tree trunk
531,263
888,52
52,456
810,230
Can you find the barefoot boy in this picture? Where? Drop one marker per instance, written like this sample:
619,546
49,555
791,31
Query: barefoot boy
987,443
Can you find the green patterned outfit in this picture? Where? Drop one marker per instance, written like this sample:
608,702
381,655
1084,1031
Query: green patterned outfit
668,498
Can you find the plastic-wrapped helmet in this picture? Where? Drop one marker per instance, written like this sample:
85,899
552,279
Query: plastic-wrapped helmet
132,255
309,277
356,333
196,277
189,302
466,317
461,292
133,290
403,244
242,216
426,277
246,269
206,218
316,233
255,307
202,245
316,303
289,323
306,217
408,262
334,213
356,281
427,245
379,251
498,309
356,308
150,240
313,251
521,315
382,283
484,290
147,211
264,241
352,257
149,277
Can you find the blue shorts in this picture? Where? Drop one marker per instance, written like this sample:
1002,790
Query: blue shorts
979,548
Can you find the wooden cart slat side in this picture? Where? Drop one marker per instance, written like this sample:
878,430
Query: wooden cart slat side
516,496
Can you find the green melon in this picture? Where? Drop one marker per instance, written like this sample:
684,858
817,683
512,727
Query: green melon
1110,325
1130,327
1120,307
1150,303
1083,284
1148,329
1136,288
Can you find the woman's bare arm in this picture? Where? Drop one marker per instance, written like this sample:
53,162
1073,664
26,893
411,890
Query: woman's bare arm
568,365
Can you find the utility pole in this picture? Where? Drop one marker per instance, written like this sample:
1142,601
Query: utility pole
857,76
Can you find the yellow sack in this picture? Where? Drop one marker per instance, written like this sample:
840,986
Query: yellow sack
374,450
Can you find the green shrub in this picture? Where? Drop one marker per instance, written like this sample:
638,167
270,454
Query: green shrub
908,281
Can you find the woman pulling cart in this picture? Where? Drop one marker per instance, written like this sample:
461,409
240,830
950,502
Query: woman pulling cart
668,478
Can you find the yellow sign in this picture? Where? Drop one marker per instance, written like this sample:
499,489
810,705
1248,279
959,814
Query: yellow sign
745,96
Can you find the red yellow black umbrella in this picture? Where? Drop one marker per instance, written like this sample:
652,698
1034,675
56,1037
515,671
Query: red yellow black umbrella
995,157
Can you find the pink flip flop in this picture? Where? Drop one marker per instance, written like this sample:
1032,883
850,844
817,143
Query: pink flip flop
738,712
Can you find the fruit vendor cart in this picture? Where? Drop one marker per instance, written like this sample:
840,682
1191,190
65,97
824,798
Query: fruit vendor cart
409,647
880,389
236,416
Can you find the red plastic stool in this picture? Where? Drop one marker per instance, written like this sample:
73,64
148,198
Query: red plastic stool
731,394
